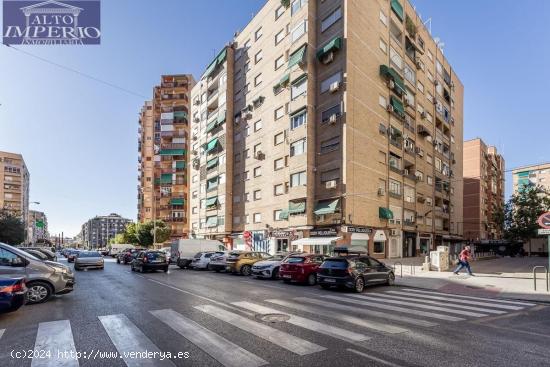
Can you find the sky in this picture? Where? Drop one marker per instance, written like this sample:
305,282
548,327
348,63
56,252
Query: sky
79,137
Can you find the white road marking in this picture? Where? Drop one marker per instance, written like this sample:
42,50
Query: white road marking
451,297
340,316
222,350
392,308
319,327
55,337
418,305
2,332
446,304
284,340
127,338
387,363
471,297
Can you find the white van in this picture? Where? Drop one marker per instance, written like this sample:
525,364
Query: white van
117,247
183,251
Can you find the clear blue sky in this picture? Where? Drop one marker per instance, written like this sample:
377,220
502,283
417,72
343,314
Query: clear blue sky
79,137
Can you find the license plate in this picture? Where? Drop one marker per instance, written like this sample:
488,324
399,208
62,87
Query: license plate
330,280
156,261
287,276
228,268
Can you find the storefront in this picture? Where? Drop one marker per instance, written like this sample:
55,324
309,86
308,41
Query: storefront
320,241
280,240
358,237
379,244
425,241
409,244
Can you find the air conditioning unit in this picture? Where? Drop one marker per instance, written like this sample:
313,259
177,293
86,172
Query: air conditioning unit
391,84
418,178
405,172
332,119
452,120
436,83
194,152
247,116
389,108
429,138
334,87
419,65
237,120
382,129
328,58
259,155
394,232
330,184
197,120
423,115
381,191
417,150
195,137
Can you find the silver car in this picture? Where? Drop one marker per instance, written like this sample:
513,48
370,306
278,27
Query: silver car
88,259
44,278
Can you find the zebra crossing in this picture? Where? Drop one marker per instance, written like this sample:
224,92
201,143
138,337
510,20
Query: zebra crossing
348,318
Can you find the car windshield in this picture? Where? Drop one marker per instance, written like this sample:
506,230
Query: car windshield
38,254
277,257
198,255
335,264
89,254
295,260
155,255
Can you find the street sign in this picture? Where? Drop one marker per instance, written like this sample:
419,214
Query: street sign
544,220
544,231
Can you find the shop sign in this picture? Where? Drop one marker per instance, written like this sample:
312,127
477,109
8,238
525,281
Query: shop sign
323,232
356,229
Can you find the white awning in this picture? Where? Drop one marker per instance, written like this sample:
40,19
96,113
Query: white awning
379,236
316,241
360,236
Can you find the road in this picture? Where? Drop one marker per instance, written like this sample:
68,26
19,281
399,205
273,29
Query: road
220,320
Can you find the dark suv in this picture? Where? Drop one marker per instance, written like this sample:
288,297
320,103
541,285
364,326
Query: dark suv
150,260
353,272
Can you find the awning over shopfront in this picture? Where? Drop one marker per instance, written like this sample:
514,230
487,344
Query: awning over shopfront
380,236
316,241
360,236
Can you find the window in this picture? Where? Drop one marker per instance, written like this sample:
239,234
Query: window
257,217
298,147
298,119
280,61
277,214
382,157
279,138
396,59
429,180
330,175
381,184
258,80
334,78
335,110
278,189
246,153
298,179
258,57
258,125
395,187
429,159
279,11
280,36
330,145
257,194
438,67
383,46
298,31
299,87
297,5
194,210
194,179
236,199
430,76
394,161
409,74
419,175
430,56
331,19
247,219
409,193
438,165
278,164
383,18
258,34
279,112
257,171
246,175
236,220
382,101
246,197
420,87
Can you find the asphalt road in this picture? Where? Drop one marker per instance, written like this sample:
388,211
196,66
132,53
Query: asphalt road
215,319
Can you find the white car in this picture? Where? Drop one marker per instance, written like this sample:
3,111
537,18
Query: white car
202,259
268,268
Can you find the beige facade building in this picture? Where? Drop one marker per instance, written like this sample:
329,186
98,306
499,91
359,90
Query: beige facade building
163,151
483,190
534,175
325,123
14,191
37,227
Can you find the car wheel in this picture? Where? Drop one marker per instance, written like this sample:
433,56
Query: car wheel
38,292
311,279
118,260
102,268
391,279
77,268
325,286
217,270
140,269
286,281
275,274
165,269
359,285
246,270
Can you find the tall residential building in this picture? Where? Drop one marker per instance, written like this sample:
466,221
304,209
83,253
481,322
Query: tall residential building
97,231
533,175
37,227
483,190
163,140
325,123
14,191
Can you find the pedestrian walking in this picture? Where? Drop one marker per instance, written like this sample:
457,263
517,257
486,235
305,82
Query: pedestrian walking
463,260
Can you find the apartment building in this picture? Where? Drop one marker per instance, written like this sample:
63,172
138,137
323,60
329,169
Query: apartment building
325,123
37,227
15,178
533,175
483,190
98,231
162,144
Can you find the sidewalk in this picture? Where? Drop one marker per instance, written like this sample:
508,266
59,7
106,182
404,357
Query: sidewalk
502,277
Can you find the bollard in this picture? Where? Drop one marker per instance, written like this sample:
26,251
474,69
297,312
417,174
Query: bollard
401,268
535,277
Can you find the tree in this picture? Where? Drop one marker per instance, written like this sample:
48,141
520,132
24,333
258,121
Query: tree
144,233
118,238
130,234
12,228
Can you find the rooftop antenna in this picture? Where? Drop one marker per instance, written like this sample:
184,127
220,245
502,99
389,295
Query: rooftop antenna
429,20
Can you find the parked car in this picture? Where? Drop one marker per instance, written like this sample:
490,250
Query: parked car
202,259
65,251
301,268
89,259
43,278
126,256
13,294
35,253
218,262
167,251
182,252
241,262
104,252
72,255
150,260
354,272
46,251
268,268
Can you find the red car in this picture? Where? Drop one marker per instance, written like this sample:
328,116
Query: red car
301,268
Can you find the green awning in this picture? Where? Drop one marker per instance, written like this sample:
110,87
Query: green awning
523,174
397,106
217,61
327,207
297,57
212,163
393,75
284,214
177,201
221,118
284,80
296,207
166,178
211,145
221,56
212,182
210,68
299,79
180,114
211,125
180,164
385,213
397,9
210,202
172,152
333,45
211,222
